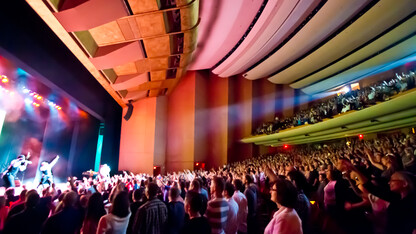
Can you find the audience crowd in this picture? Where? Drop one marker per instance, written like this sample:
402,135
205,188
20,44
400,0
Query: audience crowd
350,186
352,100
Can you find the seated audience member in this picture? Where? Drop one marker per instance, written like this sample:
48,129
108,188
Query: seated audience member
68,220
116,221
285,220
27,221
196,223
95,210
151,216
176,212
232,221
217,209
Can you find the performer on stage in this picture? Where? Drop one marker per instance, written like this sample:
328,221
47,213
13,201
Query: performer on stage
15,166
46,170
105,172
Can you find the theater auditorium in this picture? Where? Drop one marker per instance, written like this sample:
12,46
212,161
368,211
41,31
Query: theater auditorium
208,116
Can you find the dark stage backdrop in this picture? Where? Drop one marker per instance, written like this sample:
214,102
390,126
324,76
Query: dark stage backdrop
73,138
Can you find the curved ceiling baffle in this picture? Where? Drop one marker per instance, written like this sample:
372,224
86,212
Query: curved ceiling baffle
390,23
397,33
223,24
330,17
276,22
143,52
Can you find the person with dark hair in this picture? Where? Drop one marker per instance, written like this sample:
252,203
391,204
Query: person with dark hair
4,210
251,194
137,202
68,220
176,212
46,171
217,209
27,221
285,220
19,205
95,210
232,221
196,223
16,165
196,187
151,216
241,200
117,220
303,206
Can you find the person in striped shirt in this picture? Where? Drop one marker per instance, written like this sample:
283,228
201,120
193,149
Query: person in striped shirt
217,209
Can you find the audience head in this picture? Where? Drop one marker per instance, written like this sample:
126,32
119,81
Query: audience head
402,182
195,185
284,193
70,199
95,207
32,199
120,206
137,195
193,203
239,185
174,194
152,190
217,186
229,190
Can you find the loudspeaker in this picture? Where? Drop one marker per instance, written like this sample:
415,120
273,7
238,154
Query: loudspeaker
129,111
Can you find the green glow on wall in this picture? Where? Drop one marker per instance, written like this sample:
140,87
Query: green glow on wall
99,147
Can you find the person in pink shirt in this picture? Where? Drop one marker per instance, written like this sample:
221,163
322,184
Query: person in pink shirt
285,220
4,210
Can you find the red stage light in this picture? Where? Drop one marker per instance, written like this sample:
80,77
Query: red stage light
4,79
361,136
285,146
197,164
154,168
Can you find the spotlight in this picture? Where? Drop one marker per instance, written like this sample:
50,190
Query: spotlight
197,164
58,107
39,97
25,90
28,101
285,146
361,136
4,79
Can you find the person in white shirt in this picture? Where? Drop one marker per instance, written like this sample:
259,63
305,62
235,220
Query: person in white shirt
232,221
241,201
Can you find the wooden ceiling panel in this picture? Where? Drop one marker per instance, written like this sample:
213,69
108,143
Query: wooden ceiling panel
143,66
143,6
157,47
126,29
155,92
151,24
158,75
125,69
107,34
159,63
185,59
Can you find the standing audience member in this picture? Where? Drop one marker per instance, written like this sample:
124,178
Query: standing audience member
232,221
95,210
66,221
285,220
152,216
137,202
251,195
217,209
118,218
241,200
4,210
27,221
176,212
196,223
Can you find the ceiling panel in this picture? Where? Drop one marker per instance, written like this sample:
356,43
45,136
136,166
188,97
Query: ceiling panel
382,16
329,18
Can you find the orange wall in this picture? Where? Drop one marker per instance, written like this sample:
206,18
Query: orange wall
181,125
137,139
